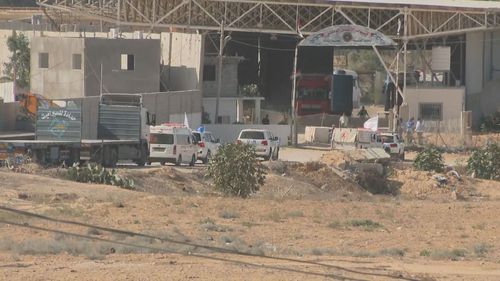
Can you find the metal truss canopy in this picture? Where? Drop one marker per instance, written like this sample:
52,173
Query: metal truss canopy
280,17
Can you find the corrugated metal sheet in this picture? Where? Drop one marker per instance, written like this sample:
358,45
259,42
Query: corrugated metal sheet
119,122
60,124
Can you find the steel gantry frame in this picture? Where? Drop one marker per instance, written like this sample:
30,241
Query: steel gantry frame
283,17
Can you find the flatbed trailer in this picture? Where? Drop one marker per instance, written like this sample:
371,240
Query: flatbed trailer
123,133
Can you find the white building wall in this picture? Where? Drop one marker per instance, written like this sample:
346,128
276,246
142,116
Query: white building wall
182,56
451,98
229,133
227,107
482,73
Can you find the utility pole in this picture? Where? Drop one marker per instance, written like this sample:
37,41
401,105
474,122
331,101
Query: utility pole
294,94
100,82
219,78
14,74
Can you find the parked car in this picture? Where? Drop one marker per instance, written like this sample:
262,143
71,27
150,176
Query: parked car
172,143
207,145
392,143
265,143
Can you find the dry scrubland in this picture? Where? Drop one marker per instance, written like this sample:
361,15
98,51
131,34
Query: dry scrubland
306,223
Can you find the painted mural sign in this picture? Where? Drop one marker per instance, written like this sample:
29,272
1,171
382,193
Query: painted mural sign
347,36
58,121
57,114
58,124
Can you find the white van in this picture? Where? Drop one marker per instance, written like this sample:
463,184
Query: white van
173,143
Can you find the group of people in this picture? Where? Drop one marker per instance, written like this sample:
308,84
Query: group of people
344,119
409,127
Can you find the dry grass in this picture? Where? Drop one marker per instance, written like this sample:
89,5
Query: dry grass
295,214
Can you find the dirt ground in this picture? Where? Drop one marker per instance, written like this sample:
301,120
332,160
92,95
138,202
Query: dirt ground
305,223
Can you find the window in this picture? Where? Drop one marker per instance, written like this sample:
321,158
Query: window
77,61
127,62
196,136
209,73
162,139
254,135
43,60
431,111
224,120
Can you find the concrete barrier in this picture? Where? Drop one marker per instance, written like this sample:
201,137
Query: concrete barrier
229,132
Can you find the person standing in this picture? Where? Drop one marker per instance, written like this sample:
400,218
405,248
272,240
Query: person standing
419,130
409,130
401,127
363,113
265,120
344,121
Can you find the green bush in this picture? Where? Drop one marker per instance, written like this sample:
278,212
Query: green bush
235,170
484,163
429,159
94,173
490,123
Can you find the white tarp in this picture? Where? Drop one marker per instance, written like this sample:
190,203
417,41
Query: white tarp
344,135
371,124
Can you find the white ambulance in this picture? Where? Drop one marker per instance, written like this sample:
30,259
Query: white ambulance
172,143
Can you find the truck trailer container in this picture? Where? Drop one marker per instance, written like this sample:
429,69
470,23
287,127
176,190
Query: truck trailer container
122,133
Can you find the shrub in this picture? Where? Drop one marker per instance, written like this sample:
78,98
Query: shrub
484,163
367,225
235,170
229,214
490,123
93,173
430,159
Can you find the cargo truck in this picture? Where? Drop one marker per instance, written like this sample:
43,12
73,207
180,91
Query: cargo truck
122,133
334,94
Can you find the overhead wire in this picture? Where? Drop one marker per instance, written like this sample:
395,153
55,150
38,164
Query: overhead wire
215,249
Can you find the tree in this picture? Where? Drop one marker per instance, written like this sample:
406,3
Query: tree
235,170
19,61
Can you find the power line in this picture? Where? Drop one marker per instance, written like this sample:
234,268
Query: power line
130,233
263,48
160,249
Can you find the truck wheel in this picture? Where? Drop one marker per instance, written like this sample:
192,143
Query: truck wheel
144,157
193,160
207,158
179,161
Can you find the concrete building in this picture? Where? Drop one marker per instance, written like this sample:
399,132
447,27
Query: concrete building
174,66
231,102
482,73
83,67
435,104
